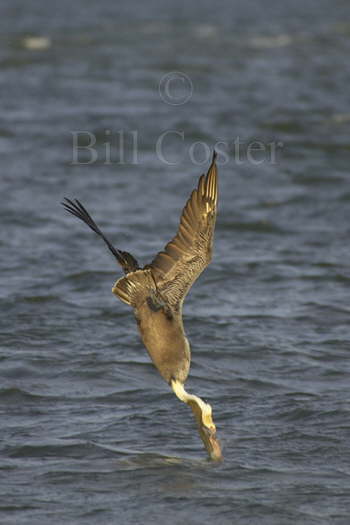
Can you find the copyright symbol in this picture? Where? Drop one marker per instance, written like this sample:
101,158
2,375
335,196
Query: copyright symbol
175,88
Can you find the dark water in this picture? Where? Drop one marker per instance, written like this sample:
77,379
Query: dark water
89,433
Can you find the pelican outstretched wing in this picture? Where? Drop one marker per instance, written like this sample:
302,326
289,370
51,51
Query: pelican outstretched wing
125,259
185,257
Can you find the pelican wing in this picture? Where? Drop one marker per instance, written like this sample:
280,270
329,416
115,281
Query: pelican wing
125,259
185,257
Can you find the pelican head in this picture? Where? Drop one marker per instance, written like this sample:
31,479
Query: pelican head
203,414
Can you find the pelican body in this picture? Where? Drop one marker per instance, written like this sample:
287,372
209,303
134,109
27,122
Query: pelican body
156,293
163,335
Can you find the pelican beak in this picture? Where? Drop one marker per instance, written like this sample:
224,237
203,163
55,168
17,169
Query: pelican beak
207,431
211,442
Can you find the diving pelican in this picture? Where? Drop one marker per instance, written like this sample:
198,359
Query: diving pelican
157,291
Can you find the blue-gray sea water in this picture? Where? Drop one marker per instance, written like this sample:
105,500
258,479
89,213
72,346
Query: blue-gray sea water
90,433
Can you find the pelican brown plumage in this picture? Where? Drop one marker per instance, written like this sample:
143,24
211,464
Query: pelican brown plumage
157,291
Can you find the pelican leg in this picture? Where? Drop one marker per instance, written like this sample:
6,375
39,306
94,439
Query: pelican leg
203,414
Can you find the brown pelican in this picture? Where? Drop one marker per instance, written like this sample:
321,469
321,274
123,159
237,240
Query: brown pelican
157,291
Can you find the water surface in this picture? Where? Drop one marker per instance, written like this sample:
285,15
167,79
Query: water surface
90,432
